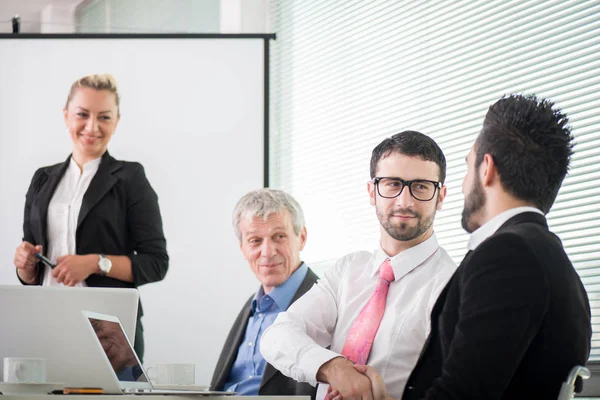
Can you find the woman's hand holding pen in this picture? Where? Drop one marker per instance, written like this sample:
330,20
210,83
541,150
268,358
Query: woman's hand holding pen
26,262
69,270
72,269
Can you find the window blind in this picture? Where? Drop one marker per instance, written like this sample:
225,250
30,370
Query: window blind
347,74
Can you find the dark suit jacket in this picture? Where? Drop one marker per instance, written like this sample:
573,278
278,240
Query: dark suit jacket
510,324
273,383
119,216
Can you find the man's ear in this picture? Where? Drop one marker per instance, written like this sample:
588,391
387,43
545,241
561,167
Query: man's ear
371,190
303,234
441,197
488,172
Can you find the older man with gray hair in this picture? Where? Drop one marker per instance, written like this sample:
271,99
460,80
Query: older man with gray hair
270,227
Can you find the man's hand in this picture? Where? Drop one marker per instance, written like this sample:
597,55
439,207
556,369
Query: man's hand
377,384
346,381
26,262
72,269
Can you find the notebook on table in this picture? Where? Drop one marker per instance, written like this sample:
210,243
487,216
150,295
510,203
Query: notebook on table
121,359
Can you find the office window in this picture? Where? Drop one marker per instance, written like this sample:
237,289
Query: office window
347,74
148,16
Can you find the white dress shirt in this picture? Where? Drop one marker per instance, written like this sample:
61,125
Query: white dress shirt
489,228
295,343
63,212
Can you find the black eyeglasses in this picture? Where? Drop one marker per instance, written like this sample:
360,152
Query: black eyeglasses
420,189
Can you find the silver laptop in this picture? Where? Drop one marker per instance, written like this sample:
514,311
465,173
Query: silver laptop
121,359
46,322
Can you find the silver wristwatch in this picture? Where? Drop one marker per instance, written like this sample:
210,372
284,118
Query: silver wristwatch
104,264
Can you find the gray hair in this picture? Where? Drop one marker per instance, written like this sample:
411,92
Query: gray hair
264,202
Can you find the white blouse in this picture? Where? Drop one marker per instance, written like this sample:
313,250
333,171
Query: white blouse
63,212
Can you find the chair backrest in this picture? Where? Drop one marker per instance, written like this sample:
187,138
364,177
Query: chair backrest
574,382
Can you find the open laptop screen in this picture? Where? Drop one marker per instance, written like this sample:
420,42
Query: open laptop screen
119,351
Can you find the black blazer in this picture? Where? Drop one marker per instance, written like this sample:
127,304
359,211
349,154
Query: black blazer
273,383
510,324
119,216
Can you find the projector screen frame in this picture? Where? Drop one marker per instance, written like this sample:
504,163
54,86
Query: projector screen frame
165,340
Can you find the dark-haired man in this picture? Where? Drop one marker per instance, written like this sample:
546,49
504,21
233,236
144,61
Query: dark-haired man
373,308
515,317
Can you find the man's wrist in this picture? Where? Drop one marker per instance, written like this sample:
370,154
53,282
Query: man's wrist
331,367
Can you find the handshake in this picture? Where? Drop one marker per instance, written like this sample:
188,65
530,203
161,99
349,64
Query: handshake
349,381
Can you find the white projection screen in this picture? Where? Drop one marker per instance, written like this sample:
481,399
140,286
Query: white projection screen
193,112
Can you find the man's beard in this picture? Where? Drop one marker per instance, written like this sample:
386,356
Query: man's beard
474,202
402,231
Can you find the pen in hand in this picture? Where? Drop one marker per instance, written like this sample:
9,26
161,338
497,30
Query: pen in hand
45,260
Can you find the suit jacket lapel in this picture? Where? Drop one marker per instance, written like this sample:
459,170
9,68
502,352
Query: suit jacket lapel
269,373
437,310
441,301
234,347
100,185
45,195
307,283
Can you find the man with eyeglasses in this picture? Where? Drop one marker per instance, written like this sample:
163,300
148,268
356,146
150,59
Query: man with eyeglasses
373,308
515,318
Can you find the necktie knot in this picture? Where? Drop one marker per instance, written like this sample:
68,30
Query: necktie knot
386,272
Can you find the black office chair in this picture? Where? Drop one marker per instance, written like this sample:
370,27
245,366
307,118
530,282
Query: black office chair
574,382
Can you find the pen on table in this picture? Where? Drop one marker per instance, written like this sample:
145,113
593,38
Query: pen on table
79,391
45,260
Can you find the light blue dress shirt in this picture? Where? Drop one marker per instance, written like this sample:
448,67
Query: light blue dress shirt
249,366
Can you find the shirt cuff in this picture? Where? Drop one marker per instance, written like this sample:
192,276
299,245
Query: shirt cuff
231,388
312,360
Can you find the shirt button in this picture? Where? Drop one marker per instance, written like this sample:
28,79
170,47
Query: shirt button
260,315
250,377
250,344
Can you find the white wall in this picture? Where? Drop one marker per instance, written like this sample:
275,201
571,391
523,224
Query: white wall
58,18
148,16
189,314
192,114
245,16
38,16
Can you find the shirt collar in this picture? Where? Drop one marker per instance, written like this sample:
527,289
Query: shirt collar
89,166
409,259
489,228
283,294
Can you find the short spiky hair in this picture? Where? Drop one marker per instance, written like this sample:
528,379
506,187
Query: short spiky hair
410,143
531,144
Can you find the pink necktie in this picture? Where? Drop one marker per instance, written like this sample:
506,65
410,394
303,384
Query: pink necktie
362,333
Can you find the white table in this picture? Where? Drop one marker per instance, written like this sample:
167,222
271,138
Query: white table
143,397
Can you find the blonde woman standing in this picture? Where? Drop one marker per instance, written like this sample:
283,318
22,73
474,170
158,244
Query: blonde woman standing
95,218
